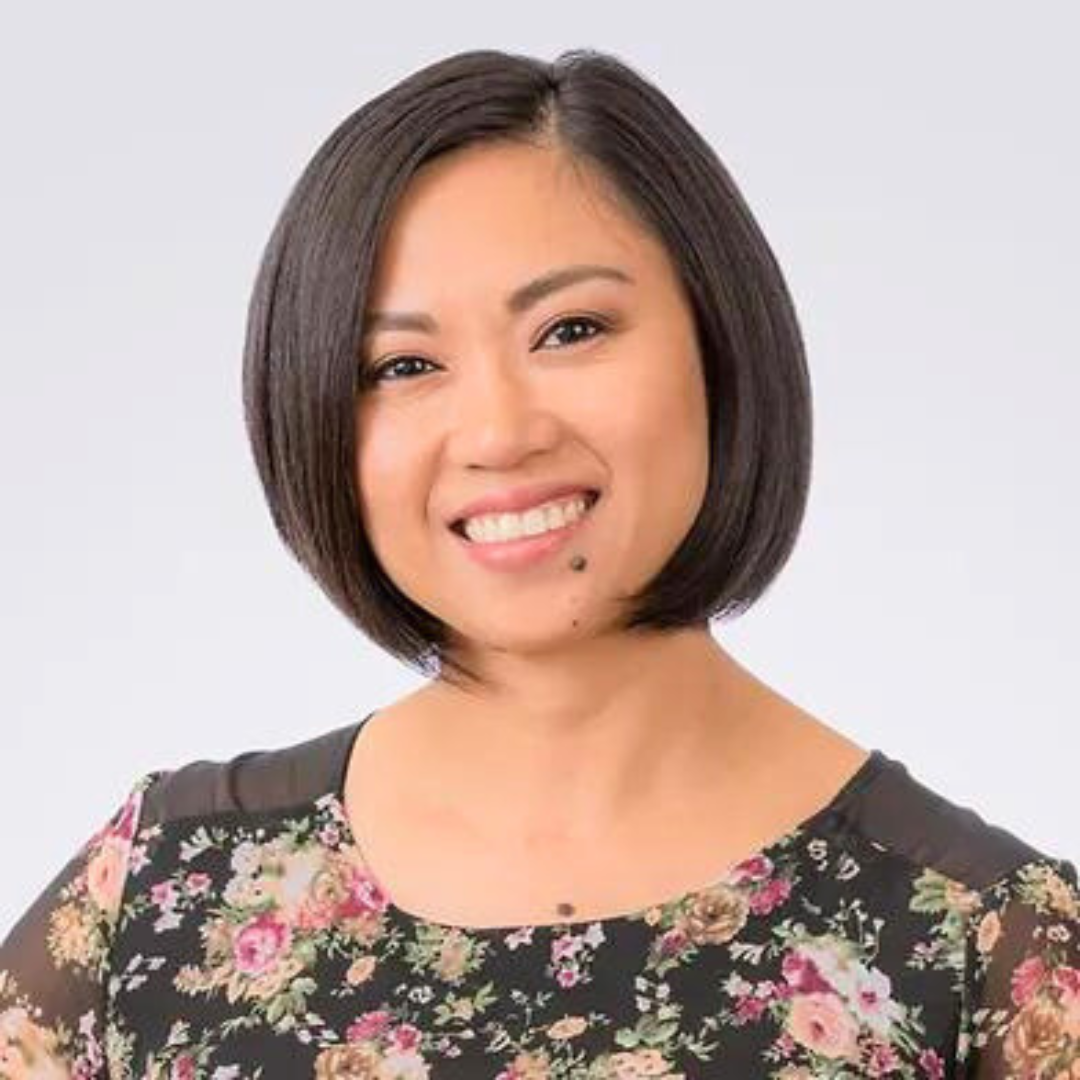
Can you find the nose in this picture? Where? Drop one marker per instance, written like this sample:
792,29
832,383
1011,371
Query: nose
500,418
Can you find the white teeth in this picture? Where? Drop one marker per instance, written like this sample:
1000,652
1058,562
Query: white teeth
489,528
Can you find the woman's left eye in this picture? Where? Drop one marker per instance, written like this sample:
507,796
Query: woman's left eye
577,320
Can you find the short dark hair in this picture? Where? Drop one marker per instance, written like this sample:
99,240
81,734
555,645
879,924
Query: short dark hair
305,322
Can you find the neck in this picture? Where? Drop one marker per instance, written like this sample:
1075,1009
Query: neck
565,756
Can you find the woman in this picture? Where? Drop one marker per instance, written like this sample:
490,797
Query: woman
528,399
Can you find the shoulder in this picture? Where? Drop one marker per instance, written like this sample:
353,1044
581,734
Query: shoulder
928,829
251,782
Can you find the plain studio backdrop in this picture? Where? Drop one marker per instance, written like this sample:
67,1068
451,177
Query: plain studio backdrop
916,171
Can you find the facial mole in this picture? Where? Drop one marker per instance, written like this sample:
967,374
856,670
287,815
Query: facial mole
578,562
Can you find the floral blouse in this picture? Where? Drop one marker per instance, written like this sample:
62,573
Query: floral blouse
222,924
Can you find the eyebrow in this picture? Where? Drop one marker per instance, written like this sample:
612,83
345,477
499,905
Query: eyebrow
521,299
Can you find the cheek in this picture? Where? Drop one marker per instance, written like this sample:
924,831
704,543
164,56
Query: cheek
661,416
383,470
660,441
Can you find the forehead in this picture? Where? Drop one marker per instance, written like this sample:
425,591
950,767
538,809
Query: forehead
499,213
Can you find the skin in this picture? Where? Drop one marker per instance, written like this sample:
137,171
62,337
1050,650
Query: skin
594,745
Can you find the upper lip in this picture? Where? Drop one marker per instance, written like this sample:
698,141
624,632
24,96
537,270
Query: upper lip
519,498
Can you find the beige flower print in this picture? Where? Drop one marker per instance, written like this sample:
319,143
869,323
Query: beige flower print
988,932
714,916
29,1051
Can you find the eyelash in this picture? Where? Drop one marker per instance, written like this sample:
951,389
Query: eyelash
374,373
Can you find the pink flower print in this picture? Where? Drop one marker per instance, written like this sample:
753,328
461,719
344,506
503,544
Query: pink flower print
773,893
137,859
365,896
163,894
802,973
752,999
522,936
566,946
105,873
259,943
330,835
673,941
872,1000
125,825
183,1068
93,1059
924,952
882,1059
197,883
1026,979
1067,981
931,1064
368,1026
755,868
568,976
314,916
821,1023
785,1044
404,1038
750,1007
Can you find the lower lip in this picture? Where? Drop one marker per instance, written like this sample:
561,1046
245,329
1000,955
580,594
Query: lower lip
526,550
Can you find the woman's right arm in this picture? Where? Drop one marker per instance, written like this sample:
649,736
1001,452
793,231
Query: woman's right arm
54,962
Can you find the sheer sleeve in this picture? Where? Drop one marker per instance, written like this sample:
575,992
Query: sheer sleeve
54,961
1021,1015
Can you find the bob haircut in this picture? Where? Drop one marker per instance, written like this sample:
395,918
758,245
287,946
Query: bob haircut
306,319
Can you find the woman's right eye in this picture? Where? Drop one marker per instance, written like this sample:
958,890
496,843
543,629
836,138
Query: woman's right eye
375,373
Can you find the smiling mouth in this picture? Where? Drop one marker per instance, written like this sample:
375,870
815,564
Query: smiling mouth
592,497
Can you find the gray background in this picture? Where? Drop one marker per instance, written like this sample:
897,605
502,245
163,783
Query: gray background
916,171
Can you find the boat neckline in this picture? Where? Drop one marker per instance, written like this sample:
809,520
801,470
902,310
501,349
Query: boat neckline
856,784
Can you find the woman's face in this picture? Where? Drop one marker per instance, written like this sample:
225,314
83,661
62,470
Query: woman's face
493,398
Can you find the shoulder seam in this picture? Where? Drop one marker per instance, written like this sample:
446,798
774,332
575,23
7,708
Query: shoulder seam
857,830
928,829
305,805
252,782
